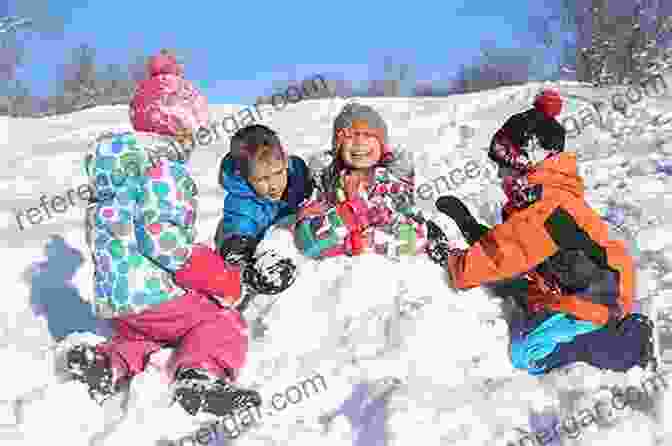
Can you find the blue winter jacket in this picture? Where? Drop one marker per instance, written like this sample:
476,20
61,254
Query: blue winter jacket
246,213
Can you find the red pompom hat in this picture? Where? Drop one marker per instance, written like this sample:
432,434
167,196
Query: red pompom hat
549,102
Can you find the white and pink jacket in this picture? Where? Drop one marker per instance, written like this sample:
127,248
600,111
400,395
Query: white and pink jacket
380,218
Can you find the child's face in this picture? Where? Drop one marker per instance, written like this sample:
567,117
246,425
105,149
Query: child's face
360,149
269,178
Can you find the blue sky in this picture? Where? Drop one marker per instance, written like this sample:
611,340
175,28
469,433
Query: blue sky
235,50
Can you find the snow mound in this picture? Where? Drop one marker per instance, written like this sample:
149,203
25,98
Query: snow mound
389,352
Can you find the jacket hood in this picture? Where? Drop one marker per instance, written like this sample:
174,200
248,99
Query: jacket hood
559,172
236,185
233,184
130,151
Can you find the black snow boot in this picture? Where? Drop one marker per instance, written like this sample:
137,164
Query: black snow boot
237,249
198,391
86,365
648,360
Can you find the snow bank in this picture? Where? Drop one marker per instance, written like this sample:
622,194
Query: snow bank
655,238
404,357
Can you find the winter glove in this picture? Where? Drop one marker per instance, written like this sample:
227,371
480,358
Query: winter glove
320,232
438,248
453,207
354,214
206,272
270,273
237,249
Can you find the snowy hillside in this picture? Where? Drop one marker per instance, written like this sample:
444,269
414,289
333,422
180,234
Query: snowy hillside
438,374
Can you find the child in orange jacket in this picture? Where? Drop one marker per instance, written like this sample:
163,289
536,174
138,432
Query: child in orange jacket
578,283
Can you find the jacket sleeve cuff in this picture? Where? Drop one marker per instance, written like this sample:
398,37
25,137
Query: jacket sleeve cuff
455,267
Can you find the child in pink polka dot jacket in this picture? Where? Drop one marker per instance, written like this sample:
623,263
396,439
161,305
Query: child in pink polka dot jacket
152,280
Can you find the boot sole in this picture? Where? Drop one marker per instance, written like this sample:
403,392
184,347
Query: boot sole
196,401
223,405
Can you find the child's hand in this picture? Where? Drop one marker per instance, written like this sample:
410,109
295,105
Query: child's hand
438,247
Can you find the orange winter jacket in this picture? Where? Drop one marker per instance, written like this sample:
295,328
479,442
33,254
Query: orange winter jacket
552,238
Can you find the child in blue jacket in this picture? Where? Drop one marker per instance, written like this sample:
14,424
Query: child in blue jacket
264,187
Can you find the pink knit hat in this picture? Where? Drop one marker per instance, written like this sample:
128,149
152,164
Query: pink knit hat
163,63
165,103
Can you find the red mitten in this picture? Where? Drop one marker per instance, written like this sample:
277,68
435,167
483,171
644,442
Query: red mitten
354,215
205,271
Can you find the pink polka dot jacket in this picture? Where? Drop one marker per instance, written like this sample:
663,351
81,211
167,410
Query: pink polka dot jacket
141,224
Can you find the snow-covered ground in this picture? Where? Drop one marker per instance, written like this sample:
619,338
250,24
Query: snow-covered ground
391,377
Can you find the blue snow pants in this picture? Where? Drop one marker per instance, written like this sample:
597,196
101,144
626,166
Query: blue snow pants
560,340
545,341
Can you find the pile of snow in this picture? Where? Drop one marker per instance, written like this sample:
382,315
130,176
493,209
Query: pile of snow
404,357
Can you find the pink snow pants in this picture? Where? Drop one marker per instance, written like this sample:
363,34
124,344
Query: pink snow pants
205,335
